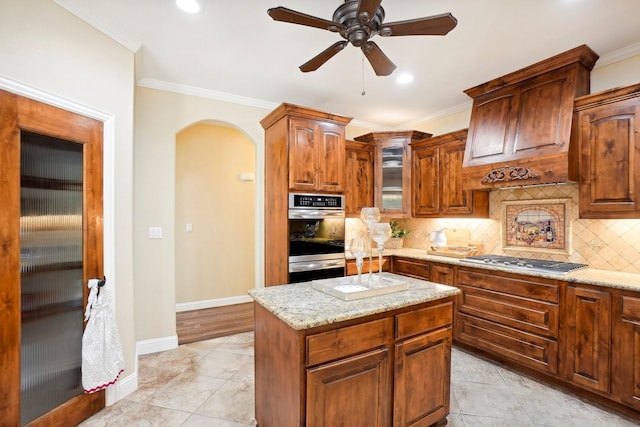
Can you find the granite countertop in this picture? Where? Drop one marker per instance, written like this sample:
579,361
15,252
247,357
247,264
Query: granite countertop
590,276
302,307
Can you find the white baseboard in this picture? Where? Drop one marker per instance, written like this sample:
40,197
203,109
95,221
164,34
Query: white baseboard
156,345
210,303
122,388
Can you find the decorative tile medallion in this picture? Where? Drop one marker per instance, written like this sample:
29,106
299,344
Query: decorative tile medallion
537,225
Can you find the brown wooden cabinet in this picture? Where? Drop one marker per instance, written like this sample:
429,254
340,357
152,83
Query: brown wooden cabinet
607,134
304,152
520,125
588,338
410,267
512,317
390,369
436,180
359,177
392,170
443,274
626,350
351,268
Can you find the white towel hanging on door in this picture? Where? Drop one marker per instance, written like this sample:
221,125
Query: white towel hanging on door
102,359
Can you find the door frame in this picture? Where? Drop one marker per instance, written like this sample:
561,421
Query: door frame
121,388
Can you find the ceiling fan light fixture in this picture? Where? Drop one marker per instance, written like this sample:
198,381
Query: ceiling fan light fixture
189,6
404,78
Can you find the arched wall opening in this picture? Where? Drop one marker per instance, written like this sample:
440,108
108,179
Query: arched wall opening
215,215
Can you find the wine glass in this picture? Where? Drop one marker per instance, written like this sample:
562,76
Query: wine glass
370,216
359,246
380,233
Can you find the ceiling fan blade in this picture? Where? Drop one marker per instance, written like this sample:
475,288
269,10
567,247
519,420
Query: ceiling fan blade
378,60
315,62
287,15
436,25
367,9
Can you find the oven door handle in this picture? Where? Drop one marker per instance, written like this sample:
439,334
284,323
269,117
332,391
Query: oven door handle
315,214
315,265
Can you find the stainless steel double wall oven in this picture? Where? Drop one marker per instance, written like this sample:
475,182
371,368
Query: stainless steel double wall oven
316,236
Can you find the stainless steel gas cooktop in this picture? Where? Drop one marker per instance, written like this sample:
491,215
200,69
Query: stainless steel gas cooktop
525,264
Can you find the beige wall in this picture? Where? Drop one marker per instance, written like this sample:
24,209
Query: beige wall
44,47
216,259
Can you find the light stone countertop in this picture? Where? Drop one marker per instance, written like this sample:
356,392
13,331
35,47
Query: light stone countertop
302,307
590,276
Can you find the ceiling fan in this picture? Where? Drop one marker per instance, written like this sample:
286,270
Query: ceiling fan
358,21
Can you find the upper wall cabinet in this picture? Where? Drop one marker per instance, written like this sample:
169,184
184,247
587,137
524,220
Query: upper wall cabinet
358,190
307,147
521,123
607,133
436,180
392,170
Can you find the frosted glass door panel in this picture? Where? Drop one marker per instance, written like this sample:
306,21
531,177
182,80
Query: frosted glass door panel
51,272
392,164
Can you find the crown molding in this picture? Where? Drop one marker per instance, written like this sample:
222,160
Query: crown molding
618,55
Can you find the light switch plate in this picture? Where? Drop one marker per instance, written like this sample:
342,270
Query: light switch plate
155,232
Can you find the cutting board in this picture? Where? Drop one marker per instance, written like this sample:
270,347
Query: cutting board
457,236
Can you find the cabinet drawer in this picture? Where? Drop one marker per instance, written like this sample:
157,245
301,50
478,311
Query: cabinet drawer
411,268
348,341
426,319
531,350
543,291
517,312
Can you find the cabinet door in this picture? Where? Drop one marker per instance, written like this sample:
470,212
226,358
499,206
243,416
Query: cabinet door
358,190
426,181
303,151
393,180
454,200
350,392
410,267
626,351
609,168
330,157
422,375
587,340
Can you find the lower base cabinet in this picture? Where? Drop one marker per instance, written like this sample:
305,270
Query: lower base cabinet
626,354
390,369
587,338
350,392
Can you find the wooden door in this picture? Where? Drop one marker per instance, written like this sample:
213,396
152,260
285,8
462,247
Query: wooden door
626,351
421,379
425,178
609,161
454,200
358,190
350,392
587,339
393,177
23,120
442,274
330,157
303,151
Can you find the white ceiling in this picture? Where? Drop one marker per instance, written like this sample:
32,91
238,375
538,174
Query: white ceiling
233,50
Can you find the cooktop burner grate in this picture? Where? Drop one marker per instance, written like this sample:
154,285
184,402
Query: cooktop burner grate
530,264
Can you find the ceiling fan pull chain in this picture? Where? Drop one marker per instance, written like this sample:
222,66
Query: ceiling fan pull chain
363,91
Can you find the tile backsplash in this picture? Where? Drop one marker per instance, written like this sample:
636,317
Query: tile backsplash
603,244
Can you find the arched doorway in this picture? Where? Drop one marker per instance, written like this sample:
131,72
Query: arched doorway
214,223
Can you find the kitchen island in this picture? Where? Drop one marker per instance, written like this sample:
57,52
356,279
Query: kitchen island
378,361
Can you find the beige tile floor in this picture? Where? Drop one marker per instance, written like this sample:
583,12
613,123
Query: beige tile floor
210,383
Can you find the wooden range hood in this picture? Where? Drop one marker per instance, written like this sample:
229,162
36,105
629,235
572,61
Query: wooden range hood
520,127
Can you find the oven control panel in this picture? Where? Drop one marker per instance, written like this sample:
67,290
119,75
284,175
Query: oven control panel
316,201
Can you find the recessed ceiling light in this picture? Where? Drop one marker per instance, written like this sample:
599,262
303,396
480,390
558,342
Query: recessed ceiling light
189,6
404,78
